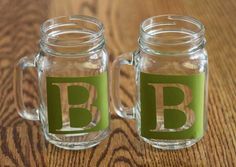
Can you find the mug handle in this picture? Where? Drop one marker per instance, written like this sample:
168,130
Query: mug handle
20,66
124,59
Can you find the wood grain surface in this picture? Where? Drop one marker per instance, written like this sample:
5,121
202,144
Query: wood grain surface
21,141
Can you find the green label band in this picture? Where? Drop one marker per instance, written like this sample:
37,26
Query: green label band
172,106
75,101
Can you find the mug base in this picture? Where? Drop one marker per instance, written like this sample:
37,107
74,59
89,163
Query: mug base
70,145
74,146
171,145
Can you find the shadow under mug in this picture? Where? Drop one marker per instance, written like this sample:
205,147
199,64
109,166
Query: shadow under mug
73,82
171,82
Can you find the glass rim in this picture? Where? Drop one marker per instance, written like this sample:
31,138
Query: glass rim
56,22
172,17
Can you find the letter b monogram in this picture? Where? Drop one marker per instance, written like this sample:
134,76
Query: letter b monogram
172,106
178,96
77,105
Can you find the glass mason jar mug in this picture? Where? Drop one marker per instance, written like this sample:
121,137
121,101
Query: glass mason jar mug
73,82
171,80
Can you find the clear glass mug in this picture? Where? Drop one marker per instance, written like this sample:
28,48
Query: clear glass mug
171,71
73,82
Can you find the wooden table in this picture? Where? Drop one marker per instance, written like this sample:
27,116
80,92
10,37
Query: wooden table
21,141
